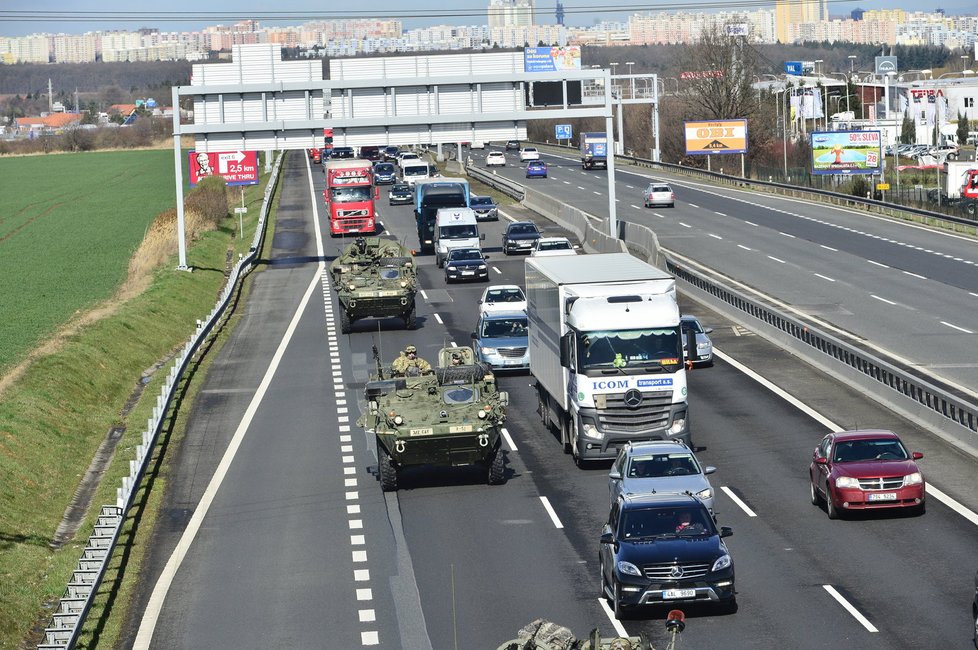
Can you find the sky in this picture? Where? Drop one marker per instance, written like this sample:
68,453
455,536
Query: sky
578,12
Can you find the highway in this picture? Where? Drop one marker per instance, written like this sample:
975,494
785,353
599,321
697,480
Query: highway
276,533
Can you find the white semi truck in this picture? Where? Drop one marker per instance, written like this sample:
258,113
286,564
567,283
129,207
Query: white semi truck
606,352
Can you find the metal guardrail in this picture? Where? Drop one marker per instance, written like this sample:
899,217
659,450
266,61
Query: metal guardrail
72,609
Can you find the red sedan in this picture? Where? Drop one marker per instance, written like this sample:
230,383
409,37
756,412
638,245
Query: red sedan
862,470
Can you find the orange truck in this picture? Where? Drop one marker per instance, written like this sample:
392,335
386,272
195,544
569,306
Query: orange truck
350,197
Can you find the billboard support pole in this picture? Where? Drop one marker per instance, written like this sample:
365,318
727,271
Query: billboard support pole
743,166
655,119
609,129
178,174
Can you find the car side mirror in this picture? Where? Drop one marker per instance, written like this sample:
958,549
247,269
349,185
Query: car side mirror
614,475
726,531
473,336
607,538
504,398
820,460
708,330
917,455
482,236
709,469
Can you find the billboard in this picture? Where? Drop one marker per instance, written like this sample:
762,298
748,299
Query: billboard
793,67
847,152
237,167
716,136
551,59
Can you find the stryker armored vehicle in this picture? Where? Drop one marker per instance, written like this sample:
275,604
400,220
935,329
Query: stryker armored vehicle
546,635
452,417
375,277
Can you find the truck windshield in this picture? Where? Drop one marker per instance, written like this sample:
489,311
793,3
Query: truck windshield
351,194
646,348
416,171
458,232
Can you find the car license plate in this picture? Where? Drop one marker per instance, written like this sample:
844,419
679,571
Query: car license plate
512,362
672,594
468,272
882,496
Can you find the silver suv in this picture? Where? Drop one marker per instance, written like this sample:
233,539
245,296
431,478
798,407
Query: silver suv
660,466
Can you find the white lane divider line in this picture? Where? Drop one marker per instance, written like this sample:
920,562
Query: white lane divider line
771,257
509,439
693,205
619,628
423,294
497,270
720,214
875,297
787,234
915,275
829,248
879,264
824,277
736,499
438,318
856,614
714,236
955,327
636,207
746,248
550,511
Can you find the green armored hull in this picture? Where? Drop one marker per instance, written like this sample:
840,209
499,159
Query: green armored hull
375,278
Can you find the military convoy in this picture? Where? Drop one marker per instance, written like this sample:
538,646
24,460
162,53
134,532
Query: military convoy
542,634
375,278
452,417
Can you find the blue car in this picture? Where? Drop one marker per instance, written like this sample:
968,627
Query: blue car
536,169
384,174
501,340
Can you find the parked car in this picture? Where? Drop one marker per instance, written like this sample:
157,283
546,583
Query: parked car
520,237
664,549
466,264
659,194
384,174
946,151
704,346
660,466
484,207
512,145
495,159
501,340
507,297
400,193
863,470
536,169
549,246
529,153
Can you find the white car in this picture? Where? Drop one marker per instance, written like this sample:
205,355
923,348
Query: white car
547,246
659,194
406,157
496,159
505,297
529,153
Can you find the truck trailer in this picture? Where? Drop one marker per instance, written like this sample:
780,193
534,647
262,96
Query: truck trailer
431,196
594,150
606,352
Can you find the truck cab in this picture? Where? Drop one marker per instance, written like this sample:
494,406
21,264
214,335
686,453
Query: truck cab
455,228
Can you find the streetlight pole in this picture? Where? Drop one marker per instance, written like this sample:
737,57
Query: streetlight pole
617,148
852,62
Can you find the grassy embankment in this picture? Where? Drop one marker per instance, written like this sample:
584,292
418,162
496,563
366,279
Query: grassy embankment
91,301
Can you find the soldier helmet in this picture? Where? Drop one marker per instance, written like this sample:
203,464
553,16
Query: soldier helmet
409,349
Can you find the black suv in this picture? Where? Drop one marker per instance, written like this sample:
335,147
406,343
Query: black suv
661,549
520,237
342,152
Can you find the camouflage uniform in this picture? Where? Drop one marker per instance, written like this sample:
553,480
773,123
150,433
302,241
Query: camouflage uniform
402,363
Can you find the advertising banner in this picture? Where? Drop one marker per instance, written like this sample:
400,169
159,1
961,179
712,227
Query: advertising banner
551,59
716,136
847,152
793,67
237,167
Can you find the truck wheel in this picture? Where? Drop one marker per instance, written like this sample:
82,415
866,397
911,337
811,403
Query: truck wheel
388,473
410,319
497,469
565,440
344,322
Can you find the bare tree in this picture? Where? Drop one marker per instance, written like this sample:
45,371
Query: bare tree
722,68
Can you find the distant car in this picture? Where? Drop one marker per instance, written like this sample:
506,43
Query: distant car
390,153
549,246
948,151
466,264
704,346
536,169
865,469
519,237
495,159
370,152
406,157
660,466
342,152
501,339
529,153
484,207
384,174
400,193
505,297
512,145
477,144
659,194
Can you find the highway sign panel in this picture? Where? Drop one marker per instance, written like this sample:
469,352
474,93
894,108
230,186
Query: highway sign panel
564,131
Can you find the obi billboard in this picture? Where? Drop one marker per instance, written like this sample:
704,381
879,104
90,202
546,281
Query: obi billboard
237,167
847,152
716,136
551,59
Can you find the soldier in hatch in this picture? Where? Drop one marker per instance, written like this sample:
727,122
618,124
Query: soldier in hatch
410,364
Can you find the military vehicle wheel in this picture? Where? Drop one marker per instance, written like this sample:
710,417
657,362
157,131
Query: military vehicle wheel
388,473
497,469
410,319
344,322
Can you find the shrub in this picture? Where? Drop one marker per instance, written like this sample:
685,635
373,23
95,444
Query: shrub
209,200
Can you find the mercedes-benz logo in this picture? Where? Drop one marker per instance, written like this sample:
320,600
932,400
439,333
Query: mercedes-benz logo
633,398
676,572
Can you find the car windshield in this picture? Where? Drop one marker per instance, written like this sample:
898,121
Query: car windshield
646,348
658,465
460,395
480,201
536,164
523,229
401,187
659,188
553,245
496,154
418,170
853,451
645,523
351,194
384,168
498,328
692,325
505,295
458,232
464,255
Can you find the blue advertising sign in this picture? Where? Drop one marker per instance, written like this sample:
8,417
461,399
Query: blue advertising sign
551,59
793,67
564,132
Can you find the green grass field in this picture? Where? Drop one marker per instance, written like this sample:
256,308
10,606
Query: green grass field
68,226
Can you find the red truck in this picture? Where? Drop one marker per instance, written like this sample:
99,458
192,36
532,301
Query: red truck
350,197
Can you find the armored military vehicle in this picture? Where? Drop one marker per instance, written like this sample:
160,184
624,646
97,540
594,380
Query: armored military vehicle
546,635
375,277
452,417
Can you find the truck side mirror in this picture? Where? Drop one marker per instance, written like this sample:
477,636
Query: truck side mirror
565,350
690,344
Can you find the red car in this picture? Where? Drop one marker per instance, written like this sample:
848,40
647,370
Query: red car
862,470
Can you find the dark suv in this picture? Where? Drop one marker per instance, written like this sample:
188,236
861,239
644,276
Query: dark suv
662,549
512,145
520,237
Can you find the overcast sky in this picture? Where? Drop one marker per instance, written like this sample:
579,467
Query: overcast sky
578,12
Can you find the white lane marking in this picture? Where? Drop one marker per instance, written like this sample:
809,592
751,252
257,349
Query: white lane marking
685,225
849,608
423,294
955,327
636,207
721,214
829,248
454,344
744,247
824,277
751,223
771,257
595,192
581,188
787,234
694,205
630,187
550,511
953,504
875,263
972,293
509,439
567,182
661,216
715,236
497,270
615,623
874,296
438,318
736,499
915,275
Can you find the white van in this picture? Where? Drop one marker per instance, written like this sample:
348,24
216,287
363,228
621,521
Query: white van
415,171
455,228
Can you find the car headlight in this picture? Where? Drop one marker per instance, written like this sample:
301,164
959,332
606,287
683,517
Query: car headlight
482,267
705,494
846,482
703,346
628,569
485,350
678,425
452,268
913,479
722,563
